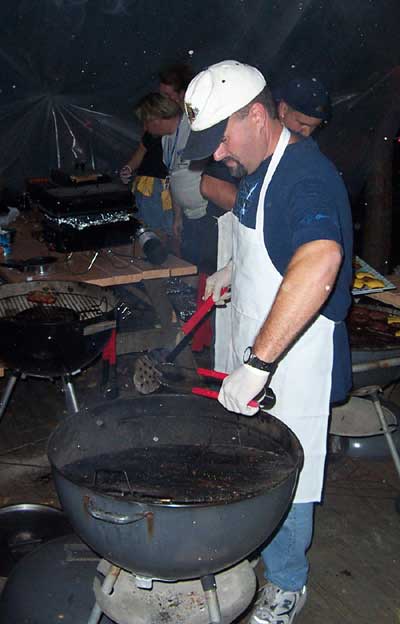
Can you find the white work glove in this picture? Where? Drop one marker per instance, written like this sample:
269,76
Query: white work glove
216,282
240,387
126,174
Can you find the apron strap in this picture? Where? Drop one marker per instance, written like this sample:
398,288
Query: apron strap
275,160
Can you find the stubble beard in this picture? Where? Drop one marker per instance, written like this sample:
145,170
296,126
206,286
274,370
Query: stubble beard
236,169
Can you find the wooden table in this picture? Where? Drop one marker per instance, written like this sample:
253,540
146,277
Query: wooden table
121,265
390,297
112,267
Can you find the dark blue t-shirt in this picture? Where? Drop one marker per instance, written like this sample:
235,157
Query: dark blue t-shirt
221,172
306,201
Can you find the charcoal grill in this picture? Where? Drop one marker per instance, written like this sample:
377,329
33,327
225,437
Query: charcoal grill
173,489
53,329
375,349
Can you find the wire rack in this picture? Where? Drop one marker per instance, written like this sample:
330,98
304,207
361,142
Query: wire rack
85,307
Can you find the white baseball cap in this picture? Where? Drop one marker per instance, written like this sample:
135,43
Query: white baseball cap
212,97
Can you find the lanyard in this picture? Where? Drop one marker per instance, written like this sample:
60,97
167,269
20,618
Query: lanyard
171,153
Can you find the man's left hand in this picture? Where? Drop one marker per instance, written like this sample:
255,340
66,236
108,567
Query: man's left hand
240,387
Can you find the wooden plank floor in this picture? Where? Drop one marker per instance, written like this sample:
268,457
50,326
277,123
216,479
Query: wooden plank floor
355,557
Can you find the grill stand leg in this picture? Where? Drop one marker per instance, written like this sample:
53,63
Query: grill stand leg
389,439
386,432
373,392
106,588
70,396
210,592
7,393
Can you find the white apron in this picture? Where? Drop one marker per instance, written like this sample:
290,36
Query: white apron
302,381
223,324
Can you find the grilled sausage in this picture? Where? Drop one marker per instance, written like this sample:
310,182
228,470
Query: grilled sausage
377,315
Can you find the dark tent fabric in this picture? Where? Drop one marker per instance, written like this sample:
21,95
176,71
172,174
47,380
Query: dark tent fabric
71,71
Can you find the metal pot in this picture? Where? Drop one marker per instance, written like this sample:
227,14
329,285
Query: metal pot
357,432
26,526
178,526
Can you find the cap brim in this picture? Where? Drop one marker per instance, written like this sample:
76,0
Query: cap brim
203,143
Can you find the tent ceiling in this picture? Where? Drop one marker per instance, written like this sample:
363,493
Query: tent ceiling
72,69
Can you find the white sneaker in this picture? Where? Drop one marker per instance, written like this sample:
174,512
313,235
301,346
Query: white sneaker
276,606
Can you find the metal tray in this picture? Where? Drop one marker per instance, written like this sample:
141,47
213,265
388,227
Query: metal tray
366,267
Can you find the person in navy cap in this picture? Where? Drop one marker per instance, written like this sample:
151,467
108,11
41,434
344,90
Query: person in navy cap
303,105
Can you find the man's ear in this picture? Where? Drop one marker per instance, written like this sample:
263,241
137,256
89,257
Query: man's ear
258,114
282,110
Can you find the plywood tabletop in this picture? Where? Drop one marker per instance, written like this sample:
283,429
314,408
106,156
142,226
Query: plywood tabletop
390,297
110,267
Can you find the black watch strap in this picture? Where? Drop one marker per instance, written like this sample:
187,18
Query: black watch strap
252,360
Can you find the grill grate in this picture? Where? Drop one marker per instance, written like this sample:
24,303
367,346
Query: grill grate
218,473
85,307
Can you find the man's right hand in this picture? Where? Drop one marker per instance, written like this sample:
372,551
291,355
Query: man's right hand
240,387
216,282
126,174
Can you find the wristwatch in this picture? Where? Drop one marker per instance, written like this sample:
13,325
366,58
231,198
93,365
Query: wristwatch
252,360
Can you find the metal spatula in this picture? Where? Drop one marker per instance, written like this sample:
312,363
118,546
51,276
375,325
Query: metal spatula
149,377
148,372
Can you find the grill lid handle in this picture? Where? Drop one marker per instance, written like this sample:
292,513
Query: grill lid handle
115,518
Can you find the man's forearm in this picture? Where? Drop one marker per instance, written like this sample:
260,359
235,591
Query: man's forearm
221,193
177,222
307,284
177,210
136,159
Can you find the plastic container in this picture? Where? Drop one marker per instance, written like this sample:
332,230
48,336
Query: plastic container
6,238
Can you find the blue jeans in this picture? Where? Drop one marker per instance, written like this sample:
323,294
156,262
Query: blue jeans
150,209
285,560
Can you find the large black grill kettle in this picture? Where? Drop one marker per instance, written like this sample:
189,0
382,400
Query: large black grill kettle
173,486
53,328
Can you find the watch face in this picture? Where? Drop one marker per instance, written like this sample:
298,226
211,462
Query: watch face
247,355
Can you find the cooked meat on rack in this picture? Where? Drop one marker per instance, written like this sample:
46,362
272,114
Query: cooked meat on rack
41,297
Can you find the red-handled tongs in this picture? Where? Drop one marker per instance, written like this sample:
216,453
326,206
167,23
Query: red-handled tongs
267,399
155,368
190,326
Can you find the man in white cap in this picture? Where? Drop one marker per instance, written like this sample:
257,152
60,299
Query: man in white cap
290,277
